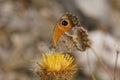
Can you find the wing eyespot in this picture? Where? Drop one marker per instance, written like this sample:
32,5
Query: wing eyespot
64,23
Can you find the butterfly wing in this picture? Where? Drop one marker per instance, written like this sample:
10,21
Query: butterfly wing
83,41
69,35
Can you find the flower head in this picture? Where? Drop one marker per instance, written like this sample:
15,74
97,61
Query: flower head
56,67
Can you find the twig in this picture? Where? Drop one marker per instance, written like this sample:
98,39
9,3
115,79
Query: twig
116,62
89,66
102,64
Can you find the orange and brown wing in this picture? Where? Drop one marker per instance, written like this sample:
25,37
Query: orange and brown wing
65,23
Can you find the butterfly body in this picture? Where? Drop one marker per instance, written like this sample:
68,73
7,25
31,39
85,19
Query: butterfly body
69,35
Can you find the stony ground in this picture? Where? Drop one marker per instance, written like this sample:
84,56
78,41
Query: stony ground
26,28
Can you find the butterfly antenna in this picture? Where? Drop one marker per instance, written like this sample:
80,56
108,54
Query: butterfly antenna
102,63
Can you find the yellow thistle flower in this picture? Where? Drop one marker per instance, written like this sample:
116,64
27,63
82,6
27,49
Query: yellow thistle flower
56,67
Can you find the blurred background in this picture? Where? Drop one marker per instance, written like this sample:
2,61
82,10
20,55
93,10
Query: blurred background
26,28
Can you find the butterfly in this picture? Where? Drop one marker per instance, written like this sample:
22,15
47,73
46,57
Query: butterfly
69,35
